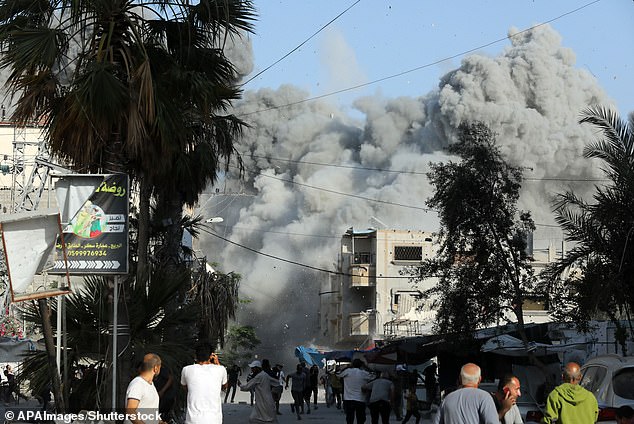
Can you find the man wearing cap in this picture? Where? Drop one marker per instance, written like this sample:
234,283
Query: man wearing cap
264,408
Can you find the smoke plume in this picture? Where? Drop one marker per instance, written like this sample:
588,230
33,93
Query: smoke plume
291,207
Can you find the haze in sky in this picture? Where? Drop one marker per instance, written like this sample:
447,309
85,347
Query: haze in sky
376,39
316,166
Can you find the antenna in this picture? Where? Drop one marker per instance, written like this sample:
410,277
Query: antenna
374,221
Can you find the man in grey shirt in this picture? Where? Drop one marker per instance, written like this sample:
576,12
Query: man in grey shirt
468,404
505,399
381,395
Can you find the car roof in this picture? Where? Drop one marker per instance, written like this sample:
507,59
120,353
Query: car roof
610,360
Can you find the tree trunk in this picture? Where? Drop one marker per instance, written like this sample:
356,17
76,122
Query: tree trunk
143,239
45,313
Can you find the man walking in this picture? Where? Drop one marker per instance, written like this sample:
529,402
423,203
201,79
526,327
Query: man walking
141,397
569,402
505,399
261,384
354,379
204,382
381,395
297,379
233,374
468,404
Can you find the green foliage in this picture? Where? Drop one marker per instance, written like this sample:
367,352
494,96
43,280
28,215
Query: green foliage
481,265
87,325
141,85
601,232
241,342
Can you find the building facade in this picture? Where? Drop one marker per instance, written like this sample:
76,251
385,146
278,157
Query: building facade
371,298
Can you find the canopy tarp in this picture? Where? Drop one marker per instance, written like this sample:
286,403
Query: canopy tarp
13,349
310,355
507,345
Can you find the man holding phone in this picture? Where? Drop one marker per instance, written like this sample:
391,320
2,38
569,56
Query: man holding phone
505,399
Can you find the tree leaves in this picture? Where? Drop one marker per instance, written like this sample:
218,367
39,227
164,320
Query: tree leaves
481,265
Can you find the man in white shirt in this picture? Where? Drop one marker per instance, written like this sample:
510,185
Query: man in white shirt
142,399
204,382
354,379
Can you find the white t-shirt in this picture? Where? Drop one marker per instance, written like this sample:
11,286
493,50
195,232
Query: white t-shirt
148,398
204,385
353,380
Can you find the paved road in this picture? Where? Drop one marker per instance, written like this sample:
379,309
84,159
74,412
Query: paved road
238,413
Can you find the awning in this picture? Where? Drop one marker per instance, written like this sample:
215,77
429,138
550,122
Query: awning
311,356
512,346
13,349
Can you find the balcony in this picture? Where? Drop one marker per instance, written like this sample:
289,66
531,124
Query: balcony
362,323
362,275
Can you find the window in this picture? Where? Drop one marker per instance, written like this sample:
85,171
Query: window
592,378
363,258
408,253
623,383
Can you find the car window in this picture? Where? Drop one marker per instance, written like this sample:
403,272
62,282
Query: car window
587,380
592,379
598,383
623,383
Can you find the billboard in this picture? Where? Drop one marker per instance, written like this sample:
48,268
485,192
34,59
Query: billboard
32,243
94,212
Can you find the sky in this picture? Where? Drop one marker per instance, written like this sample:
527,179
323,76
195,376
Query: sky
316,168
376,39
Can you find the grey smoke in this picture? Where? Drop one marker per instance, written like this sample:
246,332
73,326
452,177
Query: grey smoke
531,96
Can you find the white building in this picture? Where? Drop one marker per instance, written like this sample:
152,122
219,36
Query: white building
370,299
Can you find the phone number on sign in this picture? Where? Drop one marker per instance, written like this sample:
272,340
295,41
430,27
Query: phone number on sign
87,253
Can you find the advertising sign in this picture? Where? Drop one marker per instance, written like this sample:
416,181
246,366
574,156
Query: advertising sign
94,211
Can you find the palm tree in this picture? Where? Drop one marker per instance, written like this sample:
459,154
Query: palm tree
129,86
152,324
602,232
136,86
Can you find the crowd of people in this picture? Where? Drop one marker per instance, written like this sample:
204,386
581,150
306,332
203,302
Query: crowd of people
355,388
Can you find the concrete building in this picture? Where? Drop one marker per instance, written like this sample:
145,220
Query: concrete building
370,298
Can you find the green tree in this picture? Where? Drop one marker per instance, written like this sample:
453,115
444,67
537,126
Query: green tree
481,266
601,232
135,86
241,343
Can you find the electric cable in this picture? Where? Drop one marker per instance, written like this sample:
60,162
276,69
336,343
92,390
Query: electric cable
418,68
363,168
327,190
299,45
278,258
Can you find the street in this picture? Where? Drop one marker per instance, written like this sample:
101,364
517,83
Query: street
238,412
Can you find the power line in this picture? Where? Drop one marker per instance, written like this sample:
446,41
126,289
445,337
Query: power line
418,68
299,45
288,233
277,258
356,196
363,168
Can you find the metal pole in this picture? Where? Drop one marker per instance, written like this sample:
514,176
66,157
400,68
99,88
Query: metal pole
58,335
115,325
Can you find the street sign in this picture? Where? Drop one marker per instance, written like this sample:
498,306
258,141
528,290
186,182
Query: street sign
96,231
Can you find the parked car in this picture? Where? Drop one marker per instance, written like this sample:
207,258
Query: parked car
611,379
